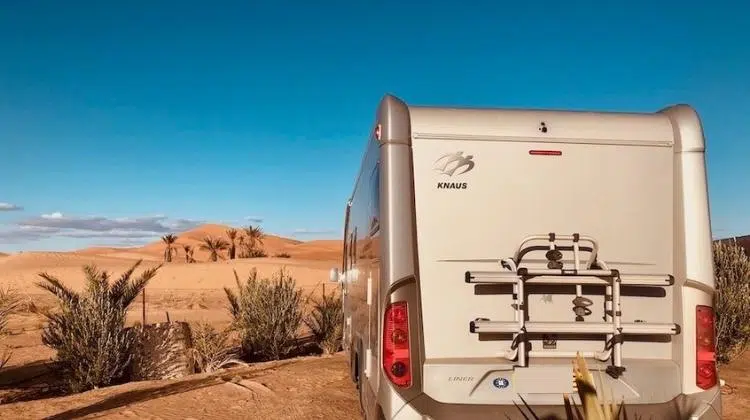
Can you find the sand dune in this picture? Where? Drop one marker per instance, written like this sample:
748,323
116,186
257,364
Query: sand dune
317,250
99,250
22,271
272,244
309,263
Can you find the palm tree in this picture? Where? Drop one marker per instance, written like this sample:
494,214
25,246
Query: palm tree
214,246
169,240
255,237
95,317
241,244
232,234
188,254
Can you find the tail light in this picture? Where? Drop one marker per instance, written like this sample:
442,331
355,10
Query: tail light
545,152
396,353
705,348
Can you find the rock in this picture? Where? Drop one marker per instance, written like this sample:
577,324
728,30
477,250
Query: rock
256,387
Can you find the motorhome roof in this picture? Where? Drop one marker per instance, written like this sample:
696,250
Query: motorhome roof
567,126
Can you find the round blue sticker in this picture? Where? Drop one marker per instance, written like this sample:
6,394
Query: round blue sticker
500,383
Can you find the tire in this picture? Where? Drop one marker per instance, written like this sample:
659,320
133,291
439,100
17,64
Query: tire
360,389
353,367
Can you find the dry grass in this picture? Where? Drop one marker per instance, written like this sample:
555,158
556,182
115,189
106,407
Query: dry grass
732,300
326,322
211,348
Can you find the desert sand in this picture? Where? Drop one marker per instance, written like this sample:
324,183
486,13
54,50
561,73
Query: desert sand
303,388
182,292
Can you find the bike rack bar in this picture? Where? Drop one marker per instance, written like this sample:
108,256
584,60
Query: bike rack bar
612,327
635,328
602,356
500,277
552,237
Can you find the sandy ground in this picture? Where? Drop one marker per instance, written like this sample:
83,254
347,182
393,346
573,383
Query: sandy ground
305,388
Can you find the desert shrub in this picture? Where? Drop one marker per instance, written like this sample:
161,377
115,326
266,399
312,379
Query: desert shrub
10,303
94,349
267,314
326,322
732,300
592,406
283,255
254,253
211,348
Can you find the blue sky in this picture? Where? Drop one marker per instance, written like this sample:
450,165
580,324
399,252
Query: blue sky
119,121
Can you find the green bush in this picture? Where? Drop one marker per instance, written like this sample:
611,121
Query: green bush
93,347
326,322
267,314
732,300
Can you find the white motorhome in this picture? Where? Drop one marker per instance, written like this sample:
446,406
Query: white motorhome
485,247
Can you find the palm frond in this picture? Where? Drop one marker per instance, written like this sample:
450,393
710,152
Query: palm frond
521,410
96,280
135,287
118,288
568,408
528,407
10,303
234,304
57,288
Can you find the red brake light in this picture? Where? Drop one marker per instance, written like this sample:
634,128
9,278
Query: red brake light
396,353
705,348
545,152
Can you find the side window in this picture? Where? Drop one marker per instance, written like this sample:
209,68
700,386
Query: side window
346,261
375,200
353,248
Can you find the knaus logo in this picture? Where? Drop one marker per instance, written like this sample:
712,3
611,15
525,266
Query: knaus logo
452,164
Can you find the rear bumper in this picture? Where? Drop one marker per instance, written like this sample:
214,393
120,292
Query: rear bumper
704,406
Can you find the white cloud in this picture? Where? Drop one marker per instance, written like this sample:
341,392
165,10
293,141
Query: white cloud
305,231
254,219
9,207
58,225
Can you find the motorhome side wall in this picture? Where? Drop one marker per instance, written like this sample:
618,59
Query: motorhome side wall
362,262
692,226
380,254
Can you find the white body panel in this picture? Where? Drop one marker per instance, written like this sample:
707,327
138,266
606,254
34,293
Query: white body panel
416,230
